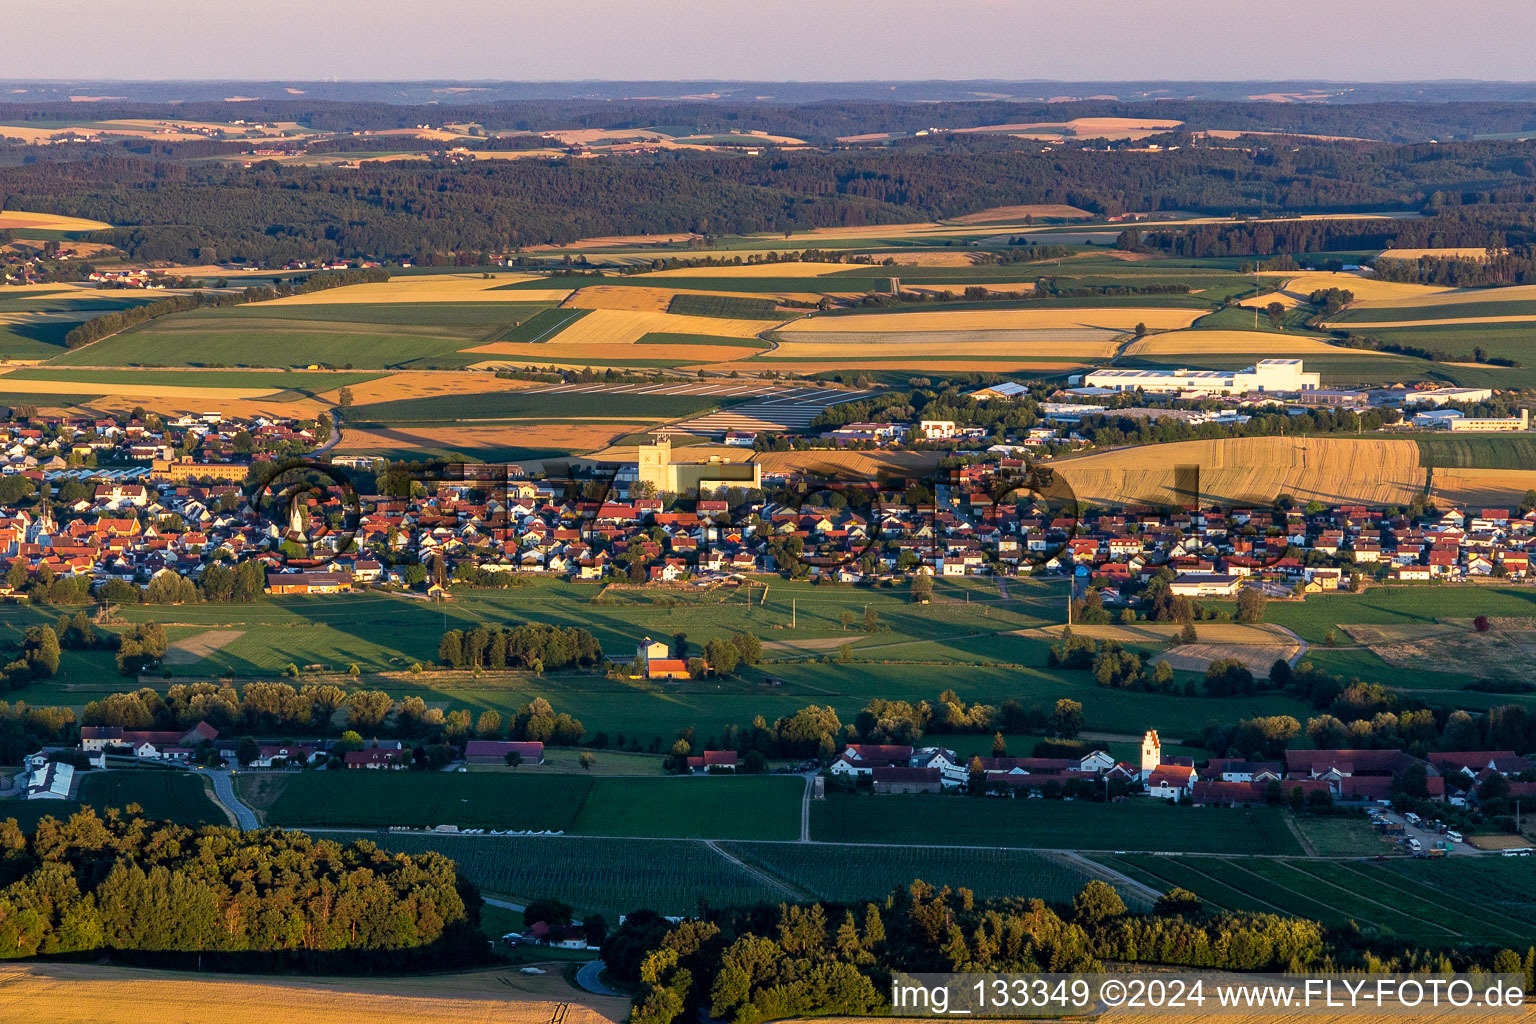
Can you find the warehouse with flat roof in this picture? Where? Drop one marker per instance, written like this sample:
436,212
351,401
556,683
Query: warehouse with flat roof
1267,375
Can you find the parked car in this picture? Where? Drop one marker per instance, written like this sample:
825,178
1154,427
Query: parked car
1454,837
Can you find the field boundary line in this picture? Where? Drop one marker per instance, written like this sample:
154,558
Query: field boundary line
1362,896
770,880
1106,872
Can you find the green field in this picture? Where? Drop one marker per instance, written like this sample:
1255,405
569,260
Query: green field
543,326
730,307
942,820
918,651
1492,306
370,336
852,873
604,876
599,875
166,793
292,380
176,795
1440,903
1495,451
1313,617
14,398
745,807
1509,341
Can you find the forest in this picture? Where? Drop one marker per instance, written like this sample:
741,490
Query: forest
801,960
272,212
825,120
151,890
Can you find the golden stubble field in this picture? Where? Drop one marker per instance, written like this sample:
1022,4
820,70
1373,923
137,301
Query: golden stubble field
565,436
96,994
1247,344
1109,318
625,327
11,220
1251,470
429,288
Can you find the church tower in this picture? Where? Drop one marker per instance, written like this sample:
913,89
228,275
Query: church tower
1151,752
653,462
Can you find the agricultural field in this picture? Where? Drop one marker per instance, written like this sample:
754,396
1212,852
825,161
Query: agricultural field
1253,470
516,440
595,875
964,640
78,993
1419,901
1249,345
745,807
405,335
537,406
1110,318
20,220
180,796
853,873
939,820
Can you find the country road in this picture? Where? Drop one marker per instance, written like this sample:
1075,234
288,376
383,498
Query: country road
224,792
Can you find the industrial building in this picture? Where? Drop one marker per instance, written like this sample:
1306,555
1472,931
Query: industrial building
1265,376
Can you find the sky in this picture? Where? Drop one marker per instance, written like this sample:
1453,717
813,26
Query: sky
768,40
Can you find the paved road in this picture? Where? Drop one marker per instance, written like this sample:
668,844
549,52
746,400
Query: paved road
224,791
588,977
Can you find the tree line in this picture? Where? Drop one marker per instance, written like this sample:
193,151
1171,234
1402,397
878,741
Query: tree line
746,966
154,889
271,212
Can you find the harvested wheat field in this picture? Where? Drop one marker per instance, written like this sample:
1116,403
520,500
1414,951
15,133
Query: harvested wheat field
1366,289
426,288
1256,646
608,296
1106,318
938,258
784,268
428,384
1448,298
128,389
1450,252
1289,300
572,437
855,465
615,241
193,649
96,994
932,364
889,346
1251,470
1483,488
1445,321
13,219
1058,211
1255,344
625,327
513,353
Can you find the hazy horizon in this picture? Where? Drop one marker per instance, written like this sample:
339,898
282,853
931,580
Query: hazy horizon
769,41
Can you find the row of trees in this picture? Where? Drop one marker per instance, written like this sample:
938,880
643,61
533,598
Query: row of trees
817,959
535,645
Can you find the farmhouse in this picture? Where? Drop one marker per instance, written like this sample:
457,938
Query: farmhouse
496,751
1267,376
864,758
374,758
712,762
902,779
